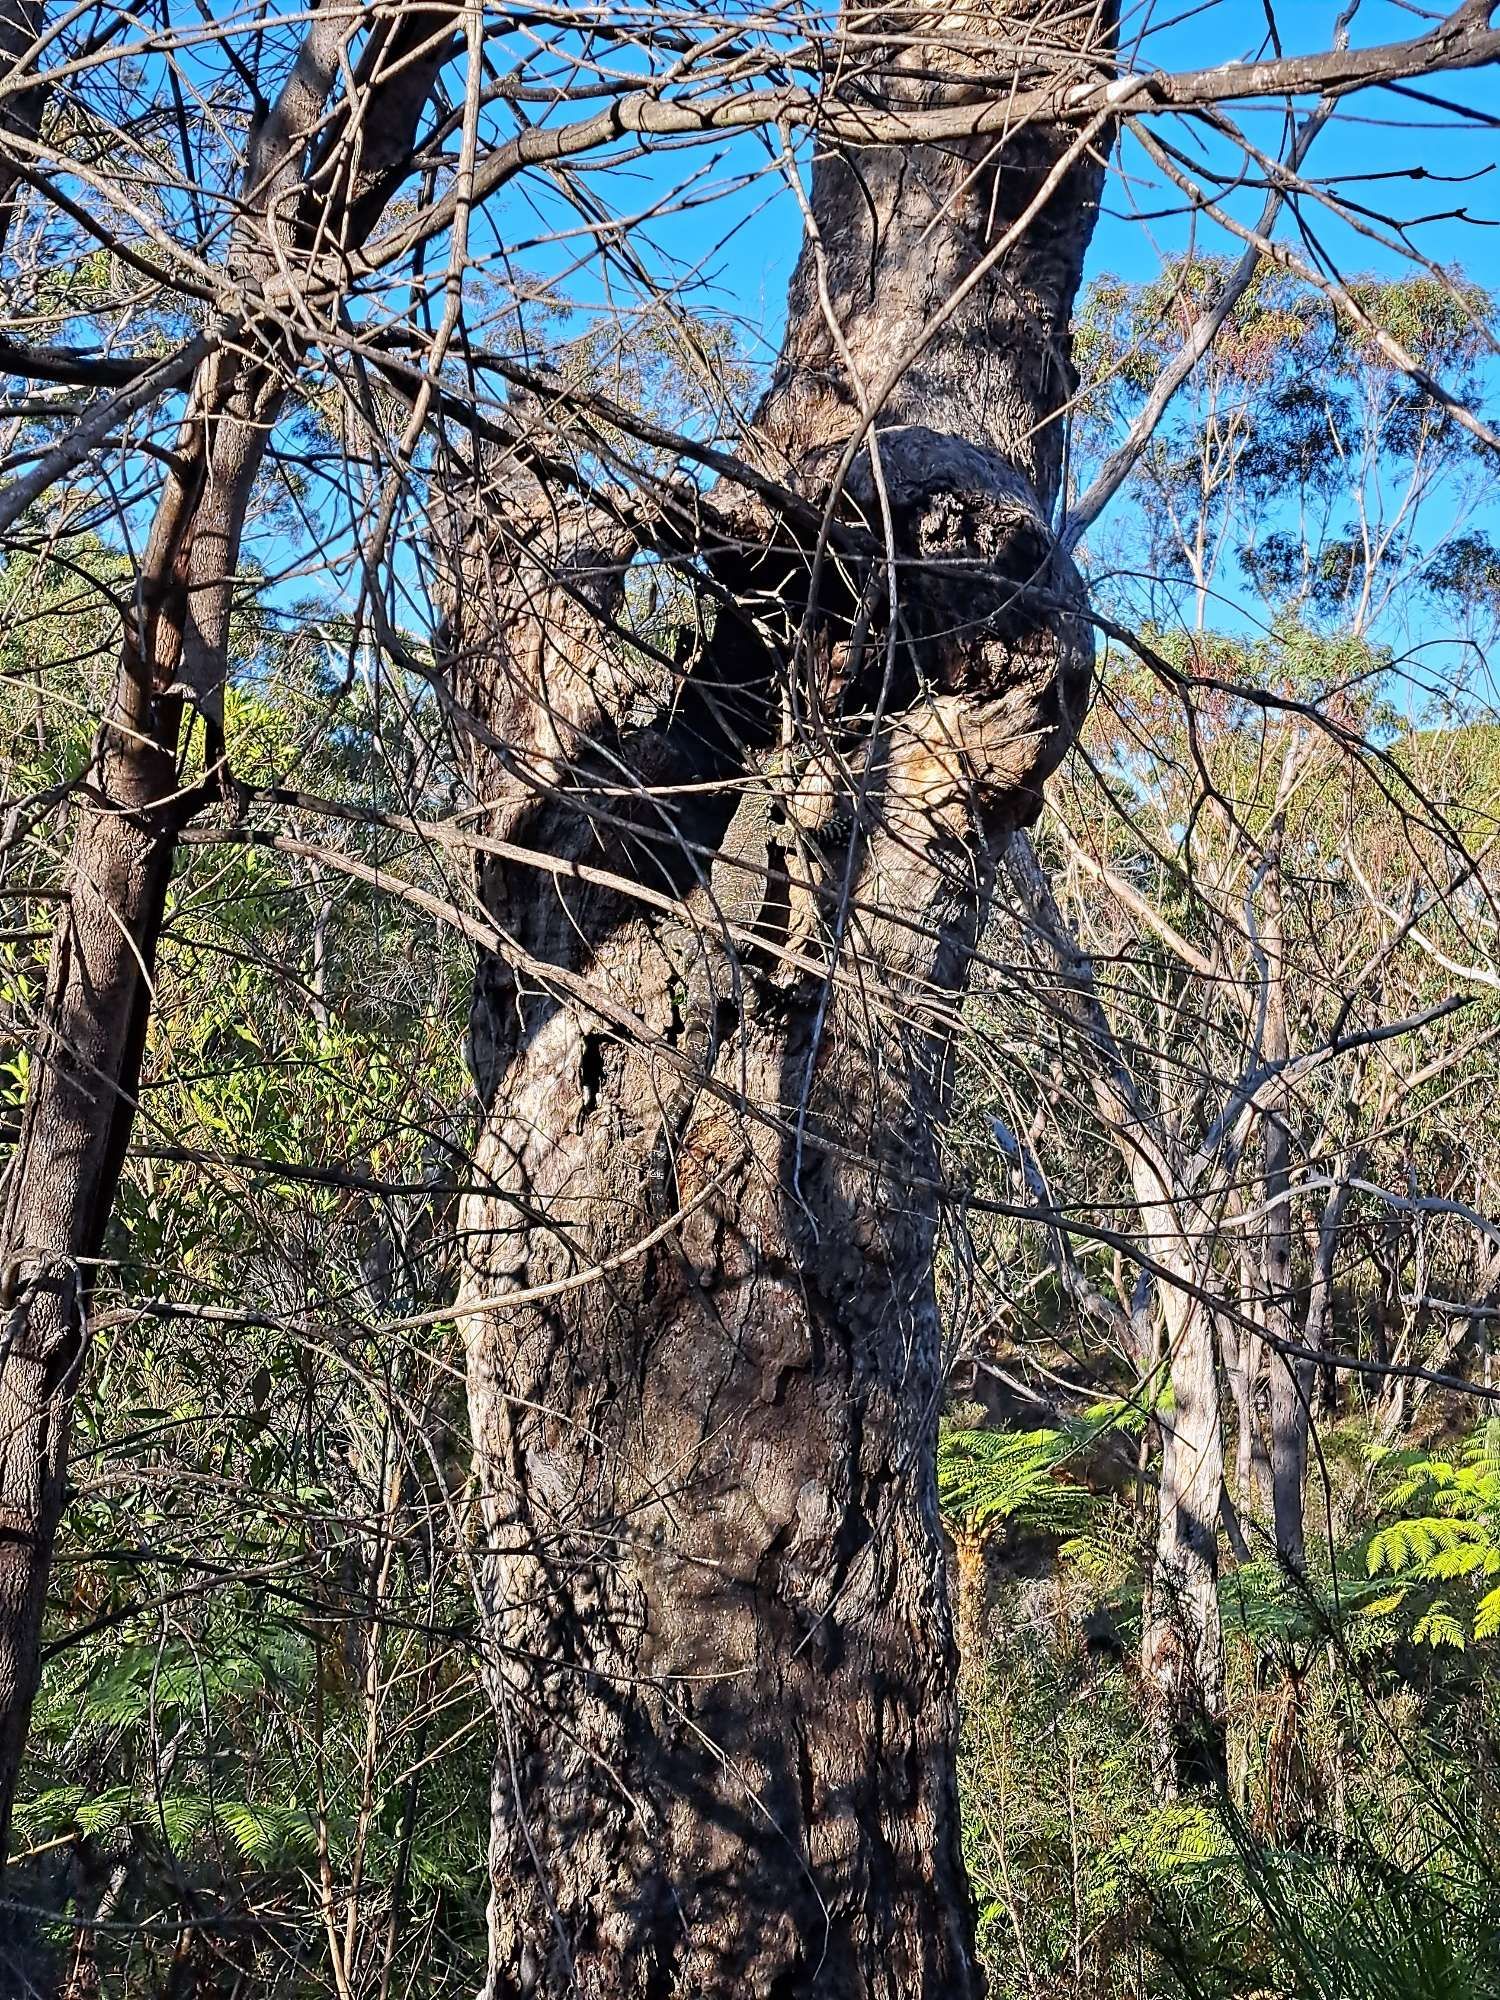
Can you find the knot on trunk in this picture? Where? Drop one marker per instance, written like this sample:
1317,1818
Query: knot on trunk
989,583
993,611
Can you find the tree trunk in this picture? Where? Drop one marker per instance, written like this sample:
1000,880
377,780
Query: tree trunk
719,1640
1290,1380
1252,1465
1182,1640
1323,1249
85,1067
134,802
20,110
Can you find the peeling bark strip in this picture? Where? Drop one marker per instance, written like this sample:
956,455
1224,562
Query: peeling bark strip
719,1642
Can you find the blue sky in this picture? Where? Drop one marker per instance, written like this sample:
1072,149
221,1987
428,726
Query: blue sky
1376,133
740,230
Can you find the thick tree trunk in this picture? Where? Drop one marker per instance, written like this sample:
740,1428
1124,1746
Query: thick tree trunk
719,1638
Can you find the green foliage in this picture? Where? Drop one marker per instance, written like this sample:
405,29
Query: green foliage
1165,1842
1446,1556
260,1650
1378,1880
1266,1608
1356,1854
1363,1926
1298,466
262,1835
1032,1477
262,1664
1054,1779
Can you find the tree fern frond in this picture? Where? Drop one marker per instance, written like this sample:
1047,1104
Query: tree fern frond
1439,1628
990,1475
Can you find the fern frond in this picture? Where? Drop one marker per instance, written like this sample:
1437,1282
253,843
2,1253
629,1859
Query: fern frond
1439,1628
987,1476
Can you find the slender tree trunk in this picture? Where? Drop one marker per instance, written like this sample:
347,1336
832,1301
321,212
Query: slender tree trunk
1290,1380
1252,1466
1317,1330
719,1640
1182,1642
85,1067
133,803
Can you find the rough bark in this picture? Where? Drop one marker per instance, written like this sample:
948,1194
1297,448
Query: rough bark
719,1639
133,802
20,110
85,1067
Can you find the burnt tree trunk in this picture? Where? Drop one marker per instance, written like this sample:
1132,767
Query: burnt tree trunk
719,1640
20,110
1290,1377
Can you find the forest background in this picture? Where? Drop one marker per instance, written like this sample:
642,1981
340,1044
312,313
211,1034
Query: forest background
1218,1260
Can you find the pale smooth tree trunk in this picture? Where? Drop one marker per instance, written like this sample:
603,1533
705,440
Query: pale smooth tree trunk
1182,1640
718,1634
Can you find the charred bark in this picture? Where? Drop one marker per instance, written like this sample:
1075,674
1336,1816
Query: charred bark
1290,1378
719,1639
20,110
